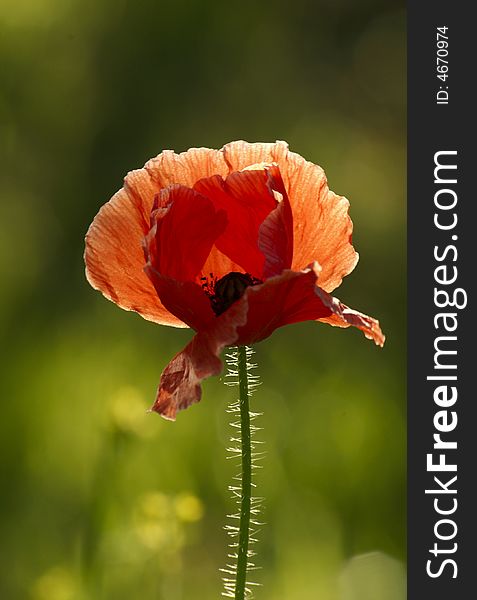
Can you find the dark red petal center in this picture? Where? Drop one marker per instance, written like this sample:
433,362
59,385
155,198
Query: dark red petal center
223,292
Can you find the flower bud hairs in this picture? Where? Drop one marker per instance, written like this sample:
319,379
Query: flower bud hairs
232,243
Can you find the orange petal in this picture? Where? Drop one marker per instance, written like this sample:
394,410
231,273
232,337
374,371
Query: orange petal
180,382
275,235
322,227
187,167
114,257
239,155
218,264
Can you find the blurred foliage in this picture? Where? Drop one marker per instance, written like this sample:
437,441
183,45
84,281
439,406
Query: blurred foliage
99,498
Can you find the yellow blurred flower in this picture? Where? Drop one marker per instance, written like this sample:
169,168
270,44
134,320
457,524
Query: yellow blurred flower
153,505
156,524
128,413
159,519
188,507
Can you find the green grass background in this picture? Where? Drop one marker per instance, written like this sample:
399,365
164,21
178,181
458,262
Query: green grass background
100,500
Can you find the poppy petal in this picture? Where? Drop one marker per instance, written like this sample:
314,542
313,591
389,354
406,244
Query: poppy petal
280,300
343,316
218,264
322,227
187,167
180,381
114,257
184,299
240,154
288,298
275,235
247,199
293,297
185,227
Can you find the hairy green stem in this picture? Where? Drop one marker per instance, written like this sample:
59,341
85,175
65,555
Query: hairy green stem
246,491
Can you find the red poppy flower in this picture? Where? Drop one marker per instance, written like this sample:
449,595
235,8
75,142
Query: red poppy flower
233,243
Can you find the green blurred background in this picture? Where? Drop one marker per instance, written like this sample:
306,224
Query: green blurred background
100,499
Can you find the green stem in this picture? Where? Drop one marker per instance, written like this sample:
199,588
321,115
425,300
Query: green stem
246,492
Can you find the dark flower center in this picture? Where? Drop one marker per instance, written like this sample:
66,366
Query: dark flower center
223,292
